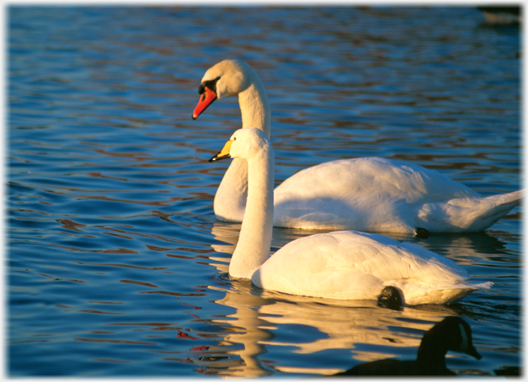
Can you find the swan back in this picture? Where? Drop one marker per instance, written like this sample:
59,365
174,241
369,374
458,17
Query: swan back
356,266
377,194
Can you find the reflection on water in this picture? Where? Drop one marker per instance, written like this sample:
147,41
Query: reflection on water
115,265
356,325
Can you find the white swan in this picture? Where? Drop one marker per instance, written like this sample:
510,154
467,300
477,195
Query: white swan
344,265
364,194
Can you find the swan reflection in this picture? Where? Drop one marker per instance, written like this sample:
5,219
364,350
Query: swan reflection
455,246
368,331
339,325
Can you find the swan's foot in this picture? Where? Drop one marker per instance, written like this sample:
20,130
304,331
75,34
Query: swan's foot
390,297
421,233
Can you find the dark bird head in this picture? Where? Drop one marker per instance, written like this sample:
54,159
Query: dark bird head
391,298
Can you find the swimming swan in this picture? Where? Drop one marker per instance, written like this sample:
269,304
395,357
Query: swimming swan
344,265
364,194
452,333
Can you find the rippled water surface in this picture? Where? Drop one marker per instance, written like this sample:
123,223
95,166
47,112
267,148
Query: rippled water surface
116,265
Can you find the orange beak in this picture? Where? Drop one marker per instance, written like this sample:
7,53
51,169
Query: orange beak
207,98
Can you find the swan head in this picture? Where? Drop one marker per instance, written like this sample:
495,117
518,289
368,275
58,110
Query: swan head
245,144
227,78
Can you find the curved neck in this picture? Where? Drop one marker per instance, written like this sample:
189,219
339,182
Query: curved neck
230,198
231,195
254,106
254,242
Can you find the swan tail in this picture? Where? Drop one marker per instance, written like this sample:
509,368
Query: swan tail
418,294
467,214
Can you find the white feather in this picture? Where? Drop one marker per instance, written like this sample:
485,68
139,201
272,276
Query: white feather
338,265
366,194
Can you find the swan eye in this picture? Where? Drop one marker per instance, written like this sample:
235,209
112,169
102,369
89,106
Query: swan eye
211,84
234,138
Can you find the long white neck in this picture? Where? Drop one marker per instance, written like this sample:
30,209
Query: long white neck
254,106
230,199
254,242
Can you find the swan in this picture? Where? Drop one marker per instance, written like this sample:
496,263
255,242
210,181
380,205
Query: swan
452,333
365,194
342,265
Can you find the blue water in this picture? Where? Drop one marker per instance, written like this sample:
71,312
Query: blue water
115,264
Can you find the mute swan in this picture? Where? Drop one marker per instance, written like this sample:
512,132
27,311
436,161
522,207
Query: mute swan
452,333
364,194
343,265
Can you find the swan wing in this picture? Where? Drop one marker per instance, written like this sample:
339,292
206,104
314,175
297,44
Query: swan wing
366,194
356,265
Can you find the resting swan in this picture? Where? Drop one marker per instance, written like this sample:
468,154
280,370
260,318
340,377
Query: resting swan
344,265
364,194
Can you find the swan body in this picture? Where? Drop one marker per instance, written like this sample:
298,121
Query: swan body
350,265
381,195
344,265
365,194
452,333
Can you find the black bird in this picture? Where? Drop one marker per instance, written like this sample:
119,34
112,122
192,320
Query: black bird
391,298
452,333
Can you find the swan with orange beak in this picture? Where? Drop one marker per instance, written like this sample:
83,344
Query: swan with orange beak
208,95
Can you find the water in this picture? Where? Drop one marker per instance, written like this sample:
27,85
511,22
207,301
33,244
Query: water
116,265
